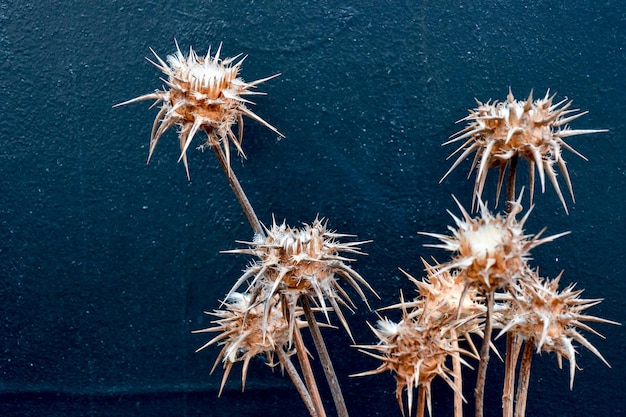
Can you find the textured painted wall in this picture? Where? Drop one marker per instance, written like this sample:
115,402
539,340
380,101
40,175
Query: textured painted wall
106,264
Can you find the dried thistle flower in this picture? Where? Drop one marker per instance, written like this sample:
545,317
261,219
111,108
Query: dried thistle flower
492,251
247,330
447,298
205,93
306,261
534,130
415,350
550,319
444,293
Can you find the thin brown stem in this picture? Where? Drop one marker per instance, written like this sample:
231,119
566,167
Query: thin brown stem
236,186
523,380
510,183
327,365
513,345
297,381
479,391
308,372
458,377
421,400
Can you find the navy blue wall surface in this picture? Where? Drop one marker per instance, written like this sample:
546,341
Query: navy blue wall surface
107,264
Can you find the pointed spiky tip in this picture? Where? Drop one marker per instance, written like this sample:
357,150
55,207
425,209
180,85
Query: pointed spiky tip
308,261
550,318
203,93
491,251
245,330
533,130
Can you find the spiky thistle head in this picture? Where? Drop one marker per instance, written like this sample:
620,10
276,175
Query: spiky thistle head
247,330
536,130
551,319
444,294
415,350
491,250
202,93
305,261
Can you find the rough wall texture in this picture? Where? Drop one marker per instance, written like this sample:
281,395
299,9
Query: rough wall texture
106,264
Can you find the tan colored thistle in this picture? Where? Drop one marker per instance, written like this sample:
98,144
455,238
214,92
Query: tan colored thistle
500,132
491,251
247,330
551,320
303,262
446,308
446,296
415,350
205,93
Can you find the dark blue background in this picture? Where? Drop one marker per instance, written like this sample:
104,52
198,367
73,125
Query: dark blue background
106,264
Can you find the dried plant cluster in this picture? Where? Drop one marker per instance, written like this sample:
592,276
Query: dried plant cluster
491,250
490,255
486,284
420,346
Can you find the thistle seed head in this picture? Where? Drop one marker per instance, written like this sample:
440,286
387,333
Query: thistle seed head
415,350
203,93
308,261
550,319
491,250
247,330
533,130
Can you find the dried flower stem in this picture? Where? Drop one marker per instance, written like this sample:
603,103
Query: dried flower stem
327,365
236,187
297,381
311,398
510,184
458,377
421,400
513,346
479,391
523,380
308,372
513,342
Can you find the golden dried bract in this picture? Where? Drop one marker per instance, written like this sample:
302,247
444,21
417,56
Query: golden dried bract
415,350
304,261
491,250
447,298
551,319
203,93
536,130
247,330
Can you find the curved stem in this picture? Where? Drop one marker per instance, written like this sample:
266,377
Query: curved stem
327,365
